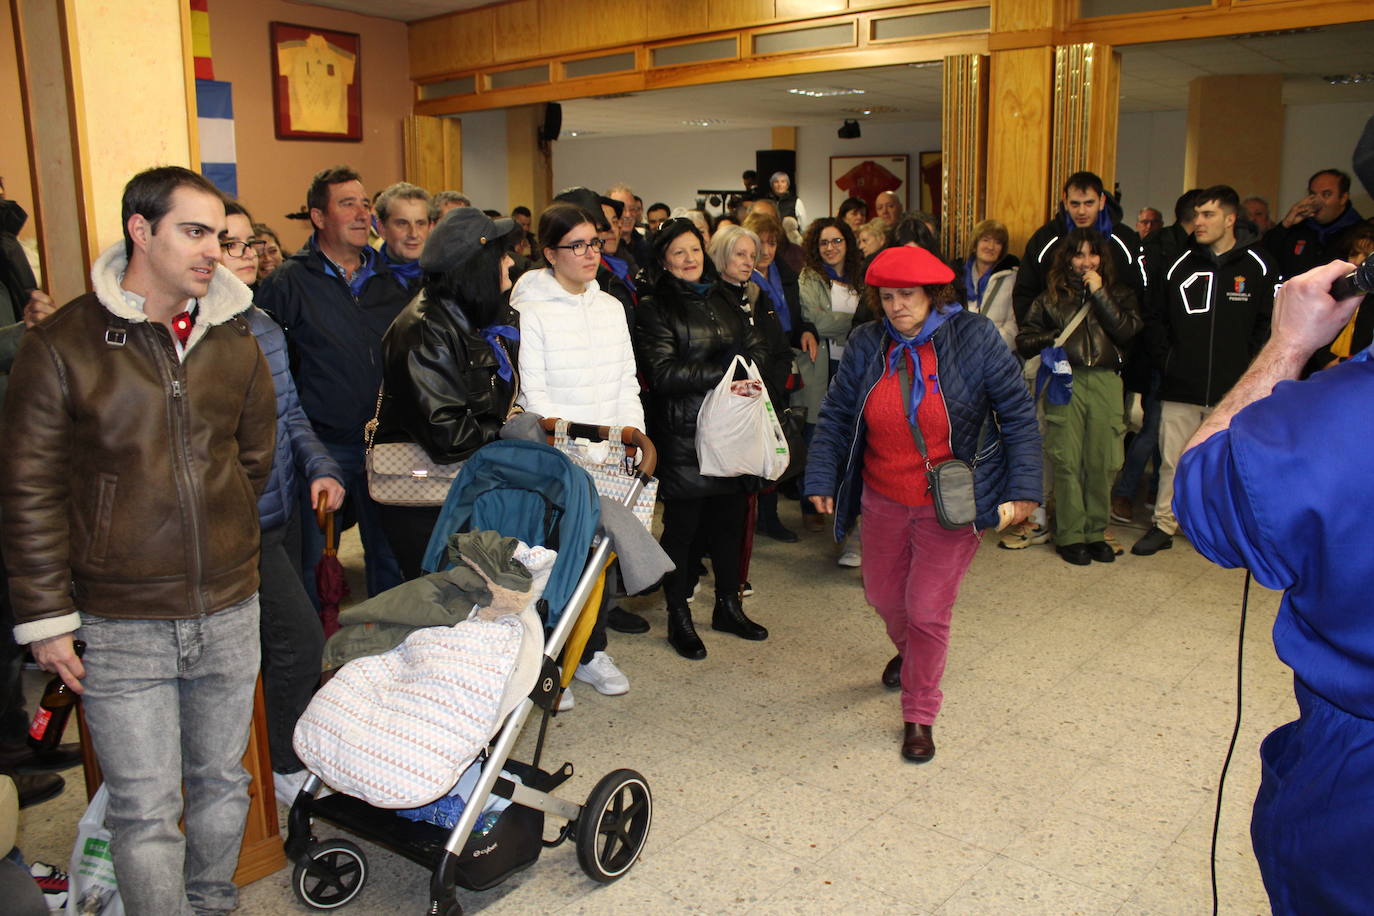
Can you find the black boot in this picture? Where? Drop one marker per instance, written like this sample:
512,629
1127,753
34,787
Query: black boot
729,618
682,636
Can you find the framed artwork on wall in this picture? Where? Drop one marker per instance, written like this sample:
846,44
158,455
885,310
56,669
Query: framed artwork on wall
865,177
316,83
932,193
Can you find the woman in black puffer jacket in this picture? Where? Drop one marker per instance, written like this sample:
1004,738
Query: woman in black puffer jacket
688,332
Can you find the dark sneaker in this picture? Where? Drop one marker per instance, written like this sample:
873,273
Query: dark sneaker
1152,542
1077,554
623,621
1123,510
1102,552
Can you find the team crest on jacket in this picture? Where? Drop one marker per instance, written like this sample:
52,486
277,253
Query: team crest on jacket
1240,284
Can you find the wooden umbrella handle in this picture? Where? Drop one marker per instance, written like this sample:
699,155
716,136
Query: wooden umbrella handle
324,519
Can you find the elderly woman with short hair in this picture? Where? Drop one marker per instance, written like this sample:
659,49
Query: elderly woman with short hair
989,273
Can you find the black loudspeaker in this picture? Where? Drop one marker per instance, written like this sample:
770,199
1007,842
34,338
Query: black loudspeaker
553,122
768,161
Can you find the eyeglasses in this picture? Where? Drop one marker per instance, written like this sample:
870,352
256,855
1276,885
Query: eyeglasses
830,243
580,248
237,249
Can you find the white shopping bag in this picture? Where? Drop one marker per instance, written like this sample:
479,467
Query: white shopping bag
777,454
92,890
732,425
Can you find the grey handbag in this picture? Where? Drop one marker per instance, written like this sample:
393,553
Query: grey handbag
951,482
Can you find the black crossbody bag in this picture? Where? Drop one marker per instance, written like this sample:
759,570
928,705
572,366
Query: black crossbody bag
951,482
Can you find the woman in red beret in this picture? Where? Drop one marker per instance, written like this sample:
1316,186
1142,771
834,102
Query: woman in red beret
931,364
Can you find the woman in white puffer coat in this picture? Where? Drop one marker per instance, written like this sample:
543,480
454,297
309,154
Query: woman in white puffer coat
577,363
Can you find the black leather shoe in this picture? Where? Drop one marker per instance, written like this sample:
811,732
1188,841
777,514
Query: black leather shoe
892,673
777,531
682,635
1077,554
918,745
34,788
728,617
24,759
1152,542
623,621
1102,552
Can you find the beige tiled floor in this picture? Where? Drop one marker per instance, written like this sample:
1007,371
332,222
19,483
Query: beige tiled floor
1086,717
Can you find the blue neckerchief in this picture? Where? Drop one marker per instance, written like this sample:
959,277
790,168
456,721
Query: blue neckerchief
620,267
906,345
367,268
974,289
701,288
405,272
1347,219
771,283
1103,224
490,334
832,273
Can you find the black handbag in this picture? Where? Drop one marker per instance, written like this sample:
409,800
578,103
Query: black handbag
951,482
793,421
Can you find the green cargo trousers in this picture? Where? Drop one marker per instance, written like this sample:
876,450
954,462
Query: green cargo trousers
1083,440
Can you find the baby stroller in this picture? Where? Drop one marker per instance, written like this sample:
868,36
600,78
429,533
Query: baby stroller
536,493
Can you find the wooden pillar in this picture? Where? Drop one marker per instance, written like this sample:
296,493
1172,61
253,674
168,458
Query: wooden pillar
108,90
1087,89
963,143
1019,105
433,152
1220,107
529,167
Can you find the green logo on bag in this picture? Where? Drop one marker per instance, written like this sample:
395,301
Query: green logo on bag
97,848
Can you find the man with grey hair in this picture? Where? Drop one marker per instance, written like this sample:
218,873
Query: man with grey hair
1257,211
630,237
445,201
403,222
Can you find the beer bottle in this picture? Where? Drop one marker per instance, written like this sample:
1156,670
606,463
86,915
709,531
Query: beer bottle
56,707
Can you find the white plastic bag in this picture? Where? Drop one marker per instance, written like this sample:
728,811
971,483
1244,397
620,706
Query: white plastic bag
732,426
777,454
93,890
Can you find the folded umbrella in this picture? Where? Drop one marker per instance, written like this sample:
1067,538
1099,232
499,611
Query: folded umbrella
330,583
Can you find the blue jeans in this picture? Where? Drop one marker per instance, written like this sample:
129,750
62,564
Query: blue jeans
1144,446
169,702
383,572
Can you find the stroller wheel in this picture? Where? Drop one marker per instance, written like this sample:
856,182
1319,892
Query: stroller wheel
614,825
335,875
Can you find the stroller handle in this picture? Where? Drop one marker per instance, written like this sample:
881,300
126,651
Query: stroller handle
631,438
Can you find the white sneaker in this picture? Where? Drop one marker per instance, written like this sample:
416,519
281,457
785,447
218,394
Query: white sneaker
851,558
565,700
288,785
693,596
602,674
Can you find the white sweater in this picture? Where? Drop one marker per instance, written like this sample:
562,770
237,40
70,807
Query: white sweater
576,361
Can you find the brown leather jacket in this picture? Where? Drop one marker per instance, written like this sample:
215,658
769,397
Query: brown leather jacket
129,479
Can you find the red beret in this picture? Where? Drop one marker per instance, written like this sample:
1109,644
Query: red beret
905,267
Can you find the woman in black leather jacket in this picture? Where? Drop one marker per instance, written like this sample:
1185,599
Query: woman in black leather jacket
688,333
451,367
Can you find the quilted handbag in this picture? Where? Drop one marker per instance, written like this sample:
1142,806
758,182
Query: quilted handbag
402,473
613,477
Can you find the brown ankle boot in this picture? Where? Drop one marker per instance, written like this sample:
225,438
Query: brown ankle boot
917,744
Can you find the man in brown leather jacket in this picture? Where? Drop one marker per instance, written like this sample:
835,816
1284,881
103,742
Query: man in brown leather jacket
139,428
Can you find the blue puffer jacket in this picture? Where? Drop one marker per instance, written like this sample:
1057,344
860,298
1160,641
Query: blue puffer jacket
980,380
298,448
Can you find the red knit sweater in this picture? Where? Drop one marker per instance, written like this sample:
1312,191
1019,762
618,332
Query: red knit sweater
892,466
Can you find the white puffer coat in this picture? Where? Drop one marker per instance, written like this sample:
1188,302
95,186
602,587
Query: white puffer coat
576,361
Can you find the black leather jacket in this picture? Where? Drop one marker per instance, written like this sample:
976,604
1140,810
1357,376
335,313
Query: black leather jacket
1101,340
684,342
442,387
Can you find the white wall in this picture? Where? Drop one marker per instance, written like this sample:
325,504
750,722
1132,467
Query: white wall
1150,151
1149,161
1321,137
660,167
815,146
484,160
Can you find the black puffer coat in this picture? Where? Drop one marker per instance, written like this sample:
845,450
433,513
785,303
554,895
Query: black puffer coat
685,340
442,388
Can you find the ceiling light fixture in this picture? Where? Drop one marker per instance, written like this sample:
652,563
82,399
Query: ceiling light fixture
1348,79
825,93
704,122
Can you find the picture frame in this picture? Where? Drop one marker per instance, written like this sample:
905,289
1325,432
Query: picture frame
932,182
316,83
865,177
